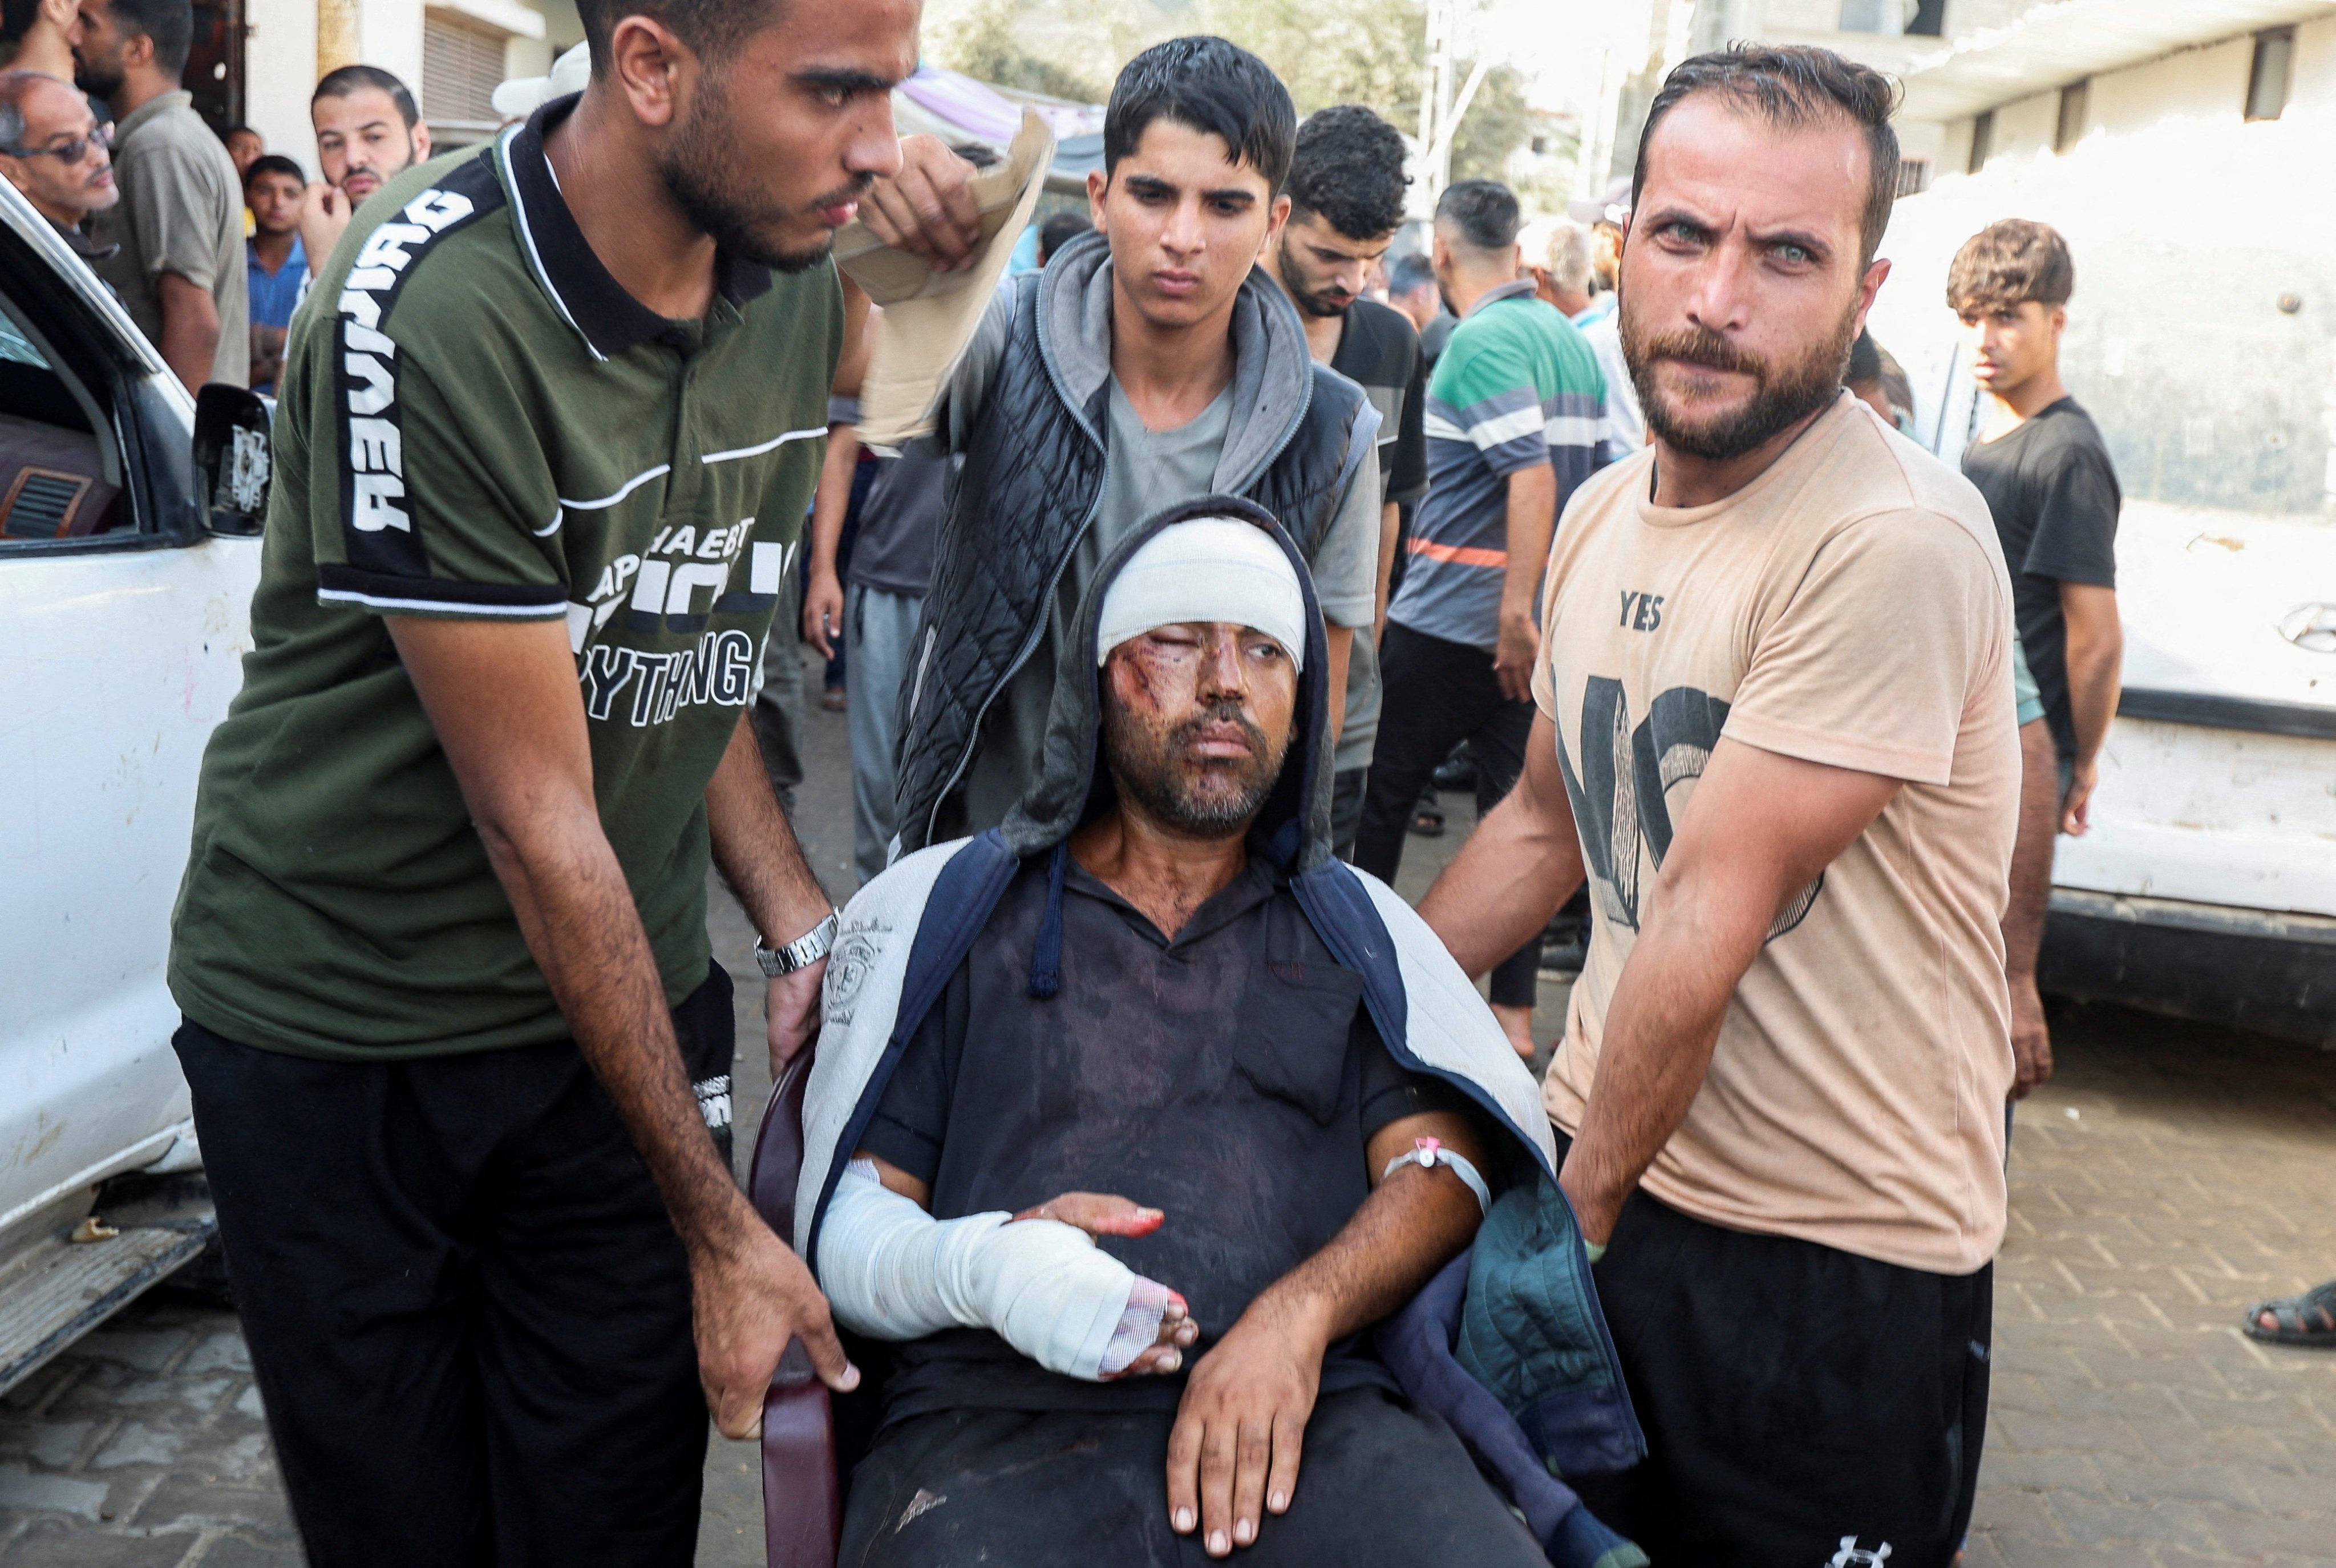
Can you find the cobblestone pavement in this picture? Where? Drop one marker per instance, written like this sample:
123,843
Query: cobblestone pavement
2170,1175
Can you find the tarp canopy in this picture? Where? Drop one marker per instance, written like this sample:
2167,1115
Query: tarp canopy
937,101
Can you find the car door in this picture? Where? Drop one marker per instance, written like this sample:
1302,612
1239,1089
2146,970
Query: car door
121,627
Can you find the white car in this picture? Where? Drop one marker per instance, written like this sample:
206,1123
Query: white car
124,597
2206,886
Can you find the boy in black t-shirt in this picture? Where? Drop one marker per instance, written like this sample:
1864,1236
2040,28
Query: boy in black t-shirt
1346,202
2040,463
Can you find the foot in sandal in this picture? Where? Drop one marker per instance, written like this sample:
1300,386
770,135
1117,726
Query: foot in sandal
2306,1319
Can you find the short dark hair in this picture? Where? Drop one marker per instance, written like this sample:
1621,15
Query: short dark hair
350,80
1411,272
1059,230
16,18
273,163
1348,170
170,24
1215,87
2010,263
712,28
1864,361
1485,211
1792,86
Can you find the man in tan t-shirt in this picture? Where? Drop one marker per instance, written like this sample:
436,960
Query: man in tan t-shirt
1777,734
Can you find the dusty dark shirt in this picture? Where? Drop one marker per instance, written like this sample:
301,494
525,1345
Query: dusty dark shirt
2054,495
1231,1077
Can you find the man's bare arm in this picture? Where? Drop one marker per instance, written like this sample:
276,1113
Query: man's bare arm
1759,828
1532,518
1390,535
755,850
190,329
1233,1453
2094,654
1521,863
504,702
2032,897
823,605
1338,652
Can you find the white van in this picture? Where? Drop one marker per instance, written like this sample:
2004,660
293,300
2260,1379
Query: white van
124,593
2207,885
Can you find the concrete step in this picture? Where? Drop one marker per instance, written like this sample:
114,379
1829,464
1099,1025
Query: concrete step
55,1291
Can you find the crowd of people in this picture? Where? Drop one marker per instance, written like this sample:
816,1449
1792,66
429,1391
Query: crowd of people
1153,1142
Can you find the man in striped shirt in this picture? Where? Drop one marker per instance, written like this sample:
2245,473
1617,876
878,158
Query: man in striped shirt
1512,427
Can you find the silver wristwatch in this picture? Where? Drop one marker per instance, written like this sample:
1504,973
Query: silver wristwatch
800,953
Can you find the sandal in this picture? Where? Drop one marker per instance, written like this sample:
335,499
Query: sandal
1427,816
2306,1319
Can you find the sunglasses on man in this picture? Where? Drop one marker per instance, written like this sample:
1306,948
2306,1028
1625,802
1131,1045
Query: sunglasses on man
72,152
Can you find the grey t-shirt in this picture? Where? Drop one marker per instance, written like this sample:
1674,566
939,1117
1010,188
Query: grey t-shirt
1148,471
181,211
899,517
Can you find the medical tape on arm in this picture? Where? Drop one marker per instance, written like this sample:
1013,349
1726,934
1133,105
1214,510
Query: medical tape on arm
893,1272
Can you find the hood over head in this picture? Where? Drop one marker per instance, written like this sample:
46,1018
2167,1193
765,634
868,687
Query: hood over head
1292,830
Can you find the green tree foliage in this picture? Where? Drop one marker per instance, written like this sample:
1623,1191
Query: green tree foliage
1328,52
988,44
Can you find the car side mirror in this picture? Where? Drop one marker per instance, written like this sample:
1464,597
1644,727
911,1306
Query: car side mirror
233,465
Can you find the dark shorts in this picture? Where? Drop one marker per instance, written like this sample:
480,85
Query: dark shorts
1799,1402
469,1315
1380,1482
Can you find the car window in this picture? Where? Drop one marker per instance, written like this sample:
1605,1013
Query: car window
61,475
15,345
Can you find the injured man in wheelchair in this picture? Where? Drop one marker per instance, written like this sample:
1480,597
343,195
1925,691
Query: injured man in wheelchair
1148,1145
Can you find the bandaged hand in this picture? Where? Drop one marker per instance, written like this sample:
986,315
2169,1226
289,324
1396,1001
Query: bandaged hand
893,1272
1157,1325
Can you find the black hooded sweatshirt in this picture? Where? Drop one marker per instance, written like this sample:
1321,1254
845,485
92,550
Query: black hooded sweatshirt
1230,1076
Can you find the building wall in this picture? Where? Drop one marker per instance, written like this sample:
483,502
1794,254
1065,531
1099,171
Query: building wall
2254,287
279,69
2210,81
2026,126
389,35
2315,66
280,59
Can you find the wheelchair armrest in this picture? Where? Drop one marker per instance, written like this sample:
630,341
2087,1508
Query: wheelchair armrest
803,1508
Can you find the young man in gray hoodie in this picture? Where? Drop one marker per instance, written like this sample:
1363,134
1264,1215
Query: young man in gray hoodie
1148,364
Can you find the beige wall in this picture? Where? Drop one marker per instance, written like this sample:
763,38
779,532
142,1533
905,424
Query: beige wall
1954,149
2210,82
2315,66
279,68
2026,126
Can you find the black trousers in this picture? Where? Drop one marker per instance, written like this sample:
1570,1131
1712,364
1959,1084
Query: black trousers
468,1312
1434,695
1380,1481
1798,1401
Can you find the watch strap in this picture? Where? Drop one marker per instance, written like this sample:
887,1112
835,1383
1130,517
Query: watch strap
800,953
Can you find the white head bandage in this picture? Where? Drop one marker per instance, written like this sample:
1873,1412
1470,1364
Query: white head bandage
1211,569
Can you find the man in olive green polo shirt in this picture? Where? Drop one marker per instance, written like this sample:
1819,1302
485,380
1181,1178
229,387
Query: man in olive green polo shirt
549,419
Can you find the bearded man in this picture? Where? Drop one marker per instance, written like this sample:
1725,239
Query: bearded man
1776,733
459,1054
368,131
1131,1116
